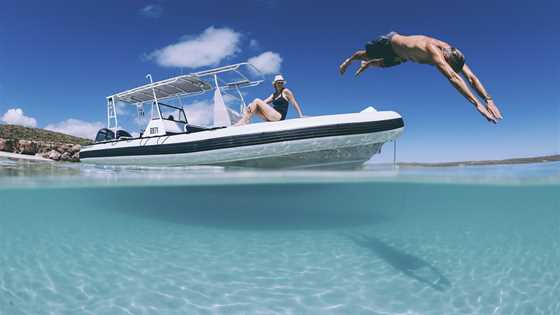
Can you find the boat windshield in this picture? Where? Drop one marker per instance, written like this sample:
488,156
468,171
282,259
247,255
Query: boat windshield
172,113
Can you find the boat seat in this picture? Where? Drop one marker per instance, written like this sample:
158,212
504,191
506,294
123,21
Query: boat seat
123,134
104,134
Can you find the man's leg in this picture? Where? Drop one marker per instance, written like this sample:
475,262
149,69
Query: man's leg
370,63
358,55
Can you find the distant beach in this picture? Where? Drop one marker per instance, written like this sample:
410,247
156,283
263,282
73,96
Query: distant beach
536,159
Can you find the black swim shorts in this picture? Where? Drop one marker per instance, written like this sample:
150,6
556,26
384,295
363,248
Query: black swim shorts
381,48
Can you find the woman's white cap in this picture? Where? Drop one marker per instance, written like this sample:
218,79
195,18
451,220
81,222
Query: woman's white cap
277,78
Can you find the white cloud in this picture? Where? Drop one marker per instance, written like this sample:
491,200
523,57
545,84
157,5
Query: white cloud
206,49
76,127
200,113
152,11
15,116
267,62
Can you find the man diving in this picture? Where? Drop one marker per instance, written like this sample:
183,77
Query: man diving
394,49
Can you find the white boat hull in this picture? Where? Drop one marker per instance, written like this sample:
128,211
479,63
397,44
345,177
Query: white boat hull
313,141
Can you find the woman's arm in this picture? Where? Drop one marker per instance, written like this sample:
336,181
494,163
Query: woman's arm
290,97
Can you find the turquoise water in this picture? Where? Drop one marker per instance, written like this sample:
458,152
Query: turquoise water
77,239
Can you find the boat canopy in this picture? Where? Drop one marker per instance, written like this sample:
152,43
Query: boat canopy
173,87
190,84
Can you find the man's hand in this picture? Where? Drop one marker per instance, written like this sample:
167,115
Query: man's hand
492,108
484,112
369,63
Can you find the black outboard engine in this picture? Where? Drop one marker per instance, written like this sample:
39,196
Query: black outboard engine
105,135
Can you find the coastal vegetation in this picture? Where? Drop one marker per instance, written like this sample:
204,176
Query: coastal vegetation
36,134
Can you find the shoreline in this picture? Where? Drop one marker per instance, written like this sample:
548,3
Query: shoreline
24,157
510,161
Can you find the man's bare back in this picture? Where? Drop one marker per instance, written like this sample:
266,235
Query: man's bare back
394,49
416,48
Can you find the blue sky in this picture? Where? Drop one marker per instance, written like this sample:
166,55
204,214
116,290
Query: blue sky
59,62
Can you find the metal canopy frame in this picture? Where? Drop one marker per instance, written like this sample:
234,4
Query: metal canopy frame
187,85
178,86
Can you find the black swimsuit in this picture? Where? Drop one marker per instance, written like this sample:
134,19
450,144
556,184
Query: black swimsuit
280,104
381,48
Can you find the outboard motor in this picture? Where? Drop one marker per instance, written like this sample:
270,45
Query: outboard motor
105,135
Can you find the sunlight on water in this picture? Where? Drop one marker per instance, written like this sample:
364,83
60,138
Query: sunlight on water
77,239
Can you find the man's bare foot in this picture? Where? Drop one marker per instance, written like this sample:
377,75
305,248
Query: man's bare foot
344,65
492,108
484,112
369,63
363,66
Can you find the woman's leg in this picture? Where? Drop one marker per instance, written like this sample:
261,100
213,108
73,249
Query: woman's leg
261,108
267,112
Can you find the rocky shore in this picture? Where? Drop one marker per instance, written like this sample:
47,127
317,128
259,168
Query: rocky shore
39,142
49,150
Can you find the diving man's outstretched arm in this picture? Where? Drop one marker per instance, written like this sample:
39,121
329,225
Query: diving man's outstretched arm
459,84
479,88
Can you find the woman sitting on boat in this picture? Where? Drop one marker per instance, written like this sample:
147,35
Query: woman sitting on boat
280,100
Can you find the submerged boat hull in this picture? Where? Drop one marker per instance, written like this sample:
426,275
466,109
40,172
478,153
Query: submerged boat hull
339,157
315,141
